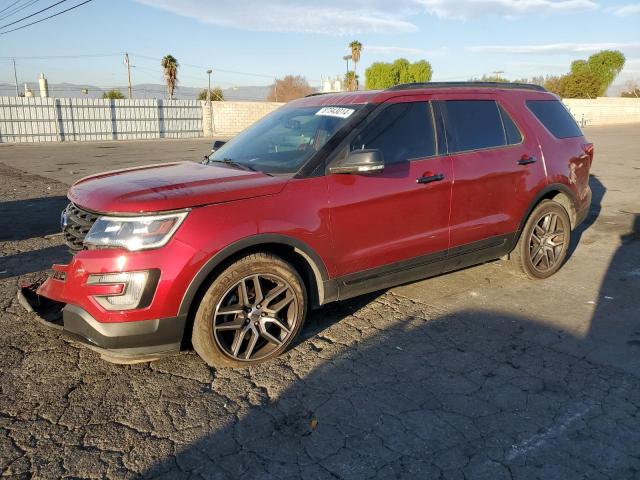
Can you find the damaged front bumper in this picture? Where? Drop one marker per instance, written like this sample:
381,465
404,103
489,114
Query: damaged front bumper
117,342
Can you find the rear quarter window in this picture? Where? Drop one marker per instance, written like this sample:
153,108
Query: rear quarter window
554,115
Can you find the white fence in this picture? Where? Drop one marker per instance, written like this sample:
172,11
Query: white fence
84,119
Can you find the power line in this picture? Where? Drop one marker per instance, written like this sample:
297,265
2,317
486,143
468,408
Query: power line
7,8
47,57
18,9
29,16
206,67
46,18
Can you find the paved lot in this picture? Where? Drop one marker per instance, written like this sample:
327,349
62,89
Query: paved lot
476,374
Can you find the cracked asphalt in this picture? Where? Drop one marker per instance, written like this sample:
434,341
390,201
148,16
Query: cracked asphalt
476,374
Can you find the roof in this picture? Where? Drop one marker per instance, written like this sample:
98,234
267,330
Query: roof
369,96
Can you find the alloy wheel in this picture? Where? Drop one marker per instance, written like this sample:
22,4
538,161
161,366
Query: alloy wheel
255,317
547,242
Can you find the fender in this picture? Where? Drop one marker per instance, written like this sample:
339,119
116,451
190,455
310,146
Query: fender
326,288
554,187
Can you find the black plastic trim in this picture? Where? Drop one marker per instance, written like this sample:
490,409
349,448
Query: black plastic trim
541,194
423,267
126,339
496,85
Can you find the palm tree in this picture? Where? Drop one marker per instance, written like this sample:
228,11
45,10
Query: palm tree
356,48
351,81
170,66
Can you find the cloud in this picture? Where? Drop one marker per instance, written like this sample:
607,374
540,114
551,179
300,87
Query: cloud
464,9
343,17
556,48
328,17
624,10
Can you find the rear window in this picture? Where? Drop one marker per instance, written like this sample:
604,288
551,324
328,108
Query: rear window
555,117
473,125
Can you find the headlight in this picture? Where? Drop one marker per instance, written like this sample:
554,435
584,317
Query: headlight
134,233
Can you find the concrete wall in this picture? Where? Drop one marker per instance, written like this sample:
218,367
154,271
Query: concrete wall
84,119
230,118
604,110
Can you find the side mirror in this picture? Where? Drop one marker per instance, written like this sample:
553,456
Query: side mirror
360,161
217,144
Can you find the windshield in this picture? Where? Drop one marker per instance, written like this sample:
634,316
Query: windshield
285,140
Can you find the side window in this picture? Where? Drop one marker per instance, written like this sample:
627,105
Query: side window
473,125
555,117
510,128
402,131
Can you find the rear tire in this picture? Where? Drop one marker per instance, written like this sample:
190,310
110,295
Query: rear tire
251,312
544,241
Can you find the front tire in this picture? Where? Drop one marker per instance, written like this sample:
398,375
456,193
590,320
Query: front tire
544,241
251,312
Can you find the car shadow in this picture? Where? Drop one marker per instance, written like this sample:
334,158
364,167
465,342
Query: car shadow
33,261
402,390
30,218
598,191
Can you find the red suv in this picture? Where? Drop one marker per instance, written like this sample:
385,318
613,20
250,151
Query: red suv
329,197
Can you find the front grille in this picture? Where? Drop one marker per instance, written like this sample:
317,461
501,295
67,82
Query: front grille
75,226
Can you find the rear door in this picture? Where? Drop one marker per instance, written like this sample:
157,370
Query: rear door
496,166
402,212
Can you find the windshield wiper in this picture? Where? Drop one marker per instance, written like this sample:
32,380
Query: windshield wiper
233,163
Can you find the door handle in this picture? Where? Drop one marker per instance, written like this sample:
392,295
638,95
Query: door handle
526,160
431,178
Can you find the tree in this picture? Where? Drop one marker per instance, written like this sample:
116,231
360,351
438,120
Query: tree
216,94
631,90
492,78
289,88
580,84
351,81
356,49
382,75
605,66
113,94
170,66
553,84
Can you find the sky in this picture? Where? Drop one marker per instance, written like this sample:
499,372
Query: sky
250,42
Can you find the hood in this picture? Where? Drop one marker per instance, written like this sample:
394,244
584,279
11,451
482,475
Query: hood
170,186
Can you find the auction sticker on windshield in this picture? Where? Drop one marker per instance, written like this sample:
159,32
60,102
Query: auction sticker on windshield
339,112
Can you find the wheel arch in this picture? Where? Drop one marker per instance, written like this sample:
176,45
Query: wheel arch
302,257
559,193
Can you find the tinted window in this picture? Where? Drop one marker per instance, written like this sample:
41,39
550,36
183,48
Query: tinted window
555,117
402,131
473,124
510,128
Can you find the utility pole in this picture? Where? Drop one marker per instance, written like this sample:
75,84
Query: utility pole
15,77
347,58
126,60
209,89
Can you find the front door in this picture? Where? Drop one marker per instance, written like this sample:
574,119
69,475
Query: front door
401,213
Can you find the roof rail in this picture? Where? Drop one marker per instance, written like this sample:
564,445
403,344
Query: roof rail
504,85
315,94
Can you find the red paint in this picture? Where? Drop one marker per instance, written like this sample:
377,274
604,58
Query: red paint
352,222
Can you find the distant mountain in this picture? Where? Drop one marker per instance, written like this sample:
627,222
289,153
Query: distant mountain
143,90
